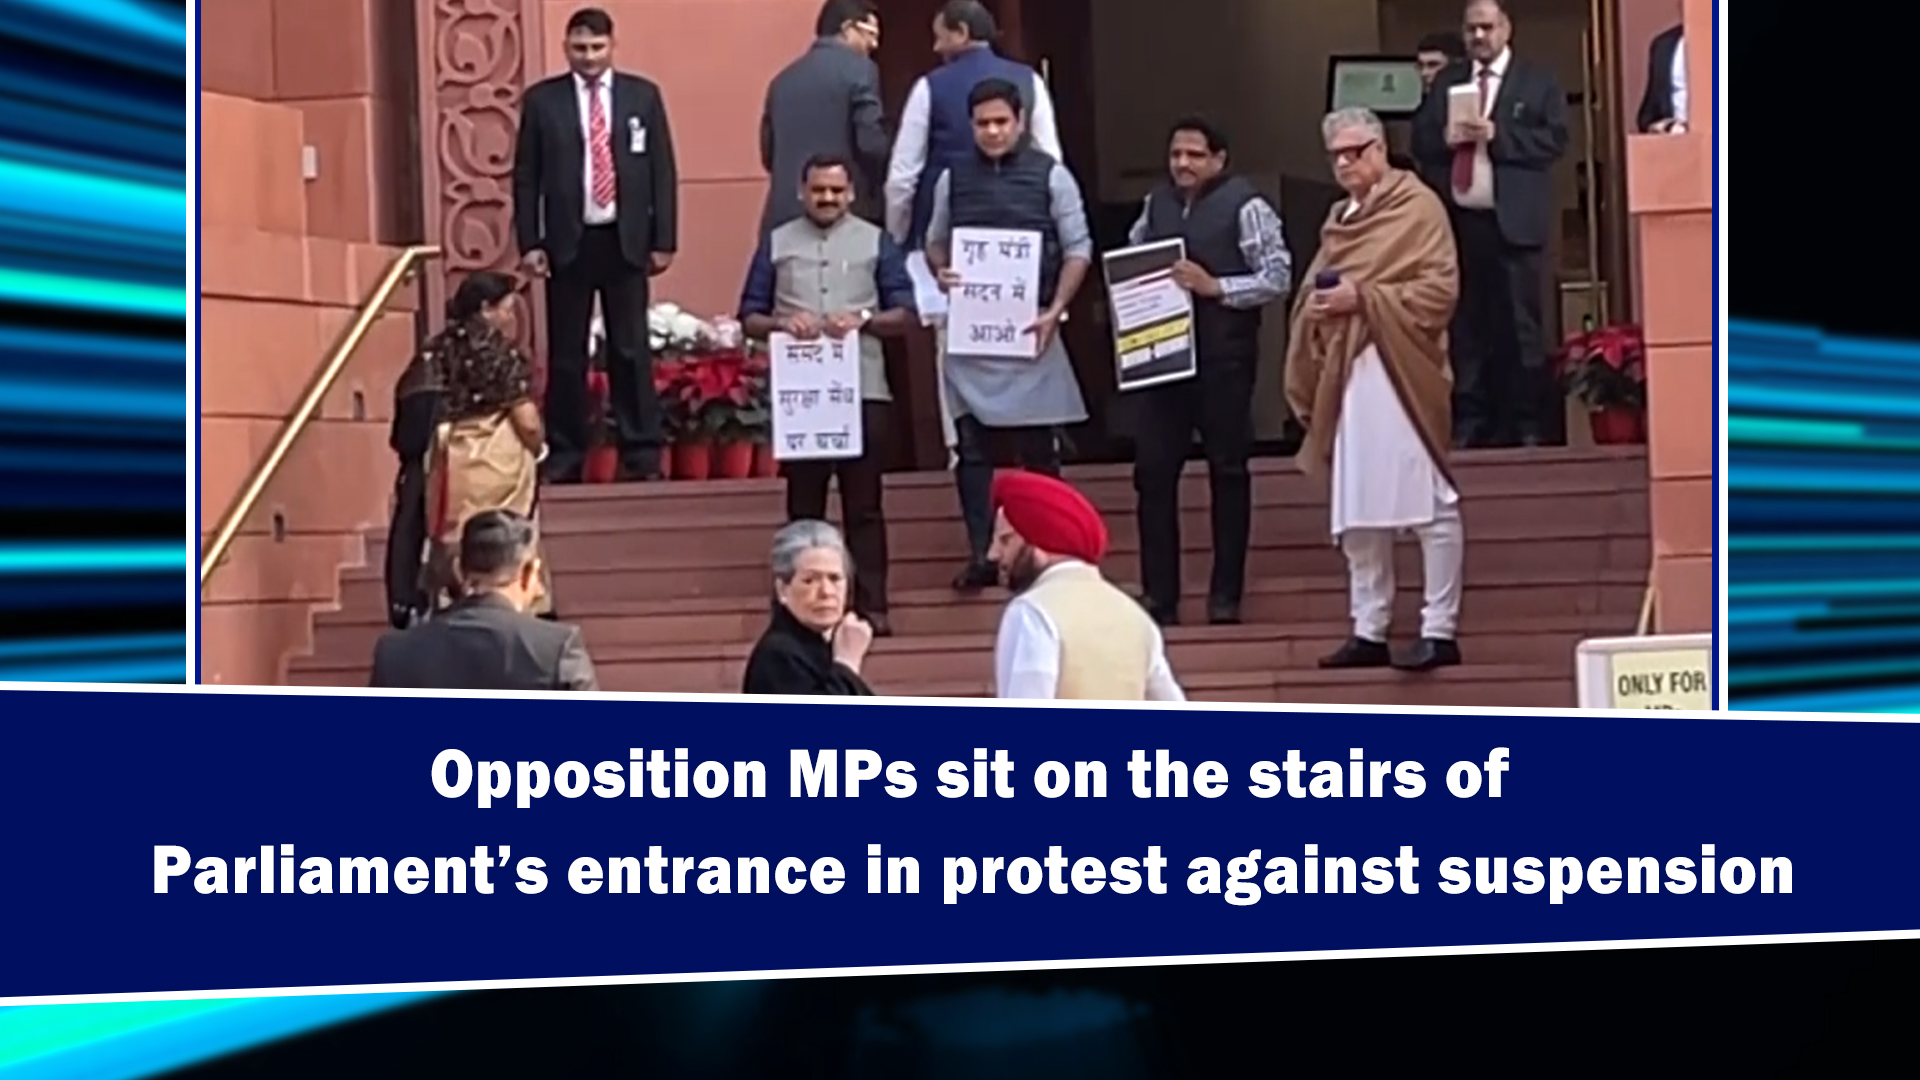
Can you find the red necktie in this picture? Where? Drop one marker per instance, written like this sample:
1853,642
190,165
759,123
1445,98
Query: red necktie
602,160
1463,155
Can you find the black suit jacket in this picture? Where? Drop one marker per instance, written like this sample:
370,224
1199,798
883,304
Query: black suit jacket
1529,117
549,178
482,643
1657,103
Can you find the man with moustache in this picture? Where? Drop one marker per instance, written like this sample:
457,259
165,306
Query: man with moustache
829,272
595,213
1236,264
1068,633
1494,170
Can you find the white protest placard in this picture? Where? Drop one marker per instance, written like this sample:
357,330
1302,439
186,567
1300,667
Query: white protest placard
997,299
1670,671
816,397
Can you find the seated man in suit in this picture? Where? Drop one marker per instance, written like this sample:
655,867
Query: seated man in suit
487,641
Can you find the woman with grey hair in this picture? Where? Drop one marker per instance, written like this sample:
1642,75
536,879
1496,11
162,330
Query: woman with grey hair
814,645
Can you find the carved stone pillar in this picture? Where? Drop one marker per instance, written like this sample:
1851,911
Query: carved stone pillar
476,56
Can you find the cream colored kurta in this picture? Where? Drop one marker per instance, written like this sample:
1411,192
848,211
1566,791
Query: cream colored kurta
1383,477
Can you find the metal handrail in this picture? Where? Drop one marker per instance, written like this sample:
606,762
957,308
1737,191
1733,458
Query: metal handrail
409,260
1646,608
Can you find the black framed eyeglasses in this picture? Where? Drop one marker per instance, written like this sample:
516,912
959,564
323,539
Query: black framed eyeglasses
1349,154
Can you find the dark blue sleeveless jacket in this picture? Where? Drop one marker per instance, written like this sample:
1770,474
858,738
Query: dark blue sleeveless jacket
1012,192
950,123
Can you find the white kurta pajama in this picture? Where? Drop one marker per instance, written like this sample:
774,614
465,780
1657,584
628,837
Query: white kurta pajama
1384,482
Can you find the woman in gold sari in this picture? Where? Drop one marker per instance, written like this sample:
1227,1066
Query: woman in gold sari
487,438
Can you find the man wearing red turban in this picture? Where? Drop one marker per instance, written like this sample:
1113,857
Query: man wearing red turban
1068,633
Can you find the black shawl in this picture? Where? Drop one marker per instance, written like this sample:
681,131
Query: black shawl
790,658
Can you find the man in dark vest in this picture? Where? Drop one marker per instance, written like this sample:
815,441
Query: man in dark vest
936,124
1236,263
1009,407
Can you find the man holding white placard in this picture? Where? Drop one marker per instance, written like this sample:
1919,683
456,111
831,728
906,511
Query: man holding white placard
1010,242
818,285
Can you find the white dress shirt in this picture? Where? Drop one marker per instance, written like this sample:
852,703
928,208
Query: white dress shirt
1480,195
910,149
1680,81
1026,656
603,87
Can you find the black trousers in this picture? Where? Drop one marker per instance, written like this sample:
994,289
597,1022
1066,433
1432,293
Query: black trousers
1218,403
600,270
1036,449
1503,389
862,518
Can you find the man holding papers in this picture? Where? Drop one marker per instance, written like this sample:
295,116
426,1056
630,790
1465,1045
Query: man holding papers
1010,242
1367,375
1236,263
1488,137
1068,634
831,274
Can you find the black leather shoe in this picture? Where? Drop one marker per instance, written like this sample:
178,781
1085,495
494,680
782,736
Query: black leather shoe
1223,612
975,577
1161,614
882,626
1358,652
1428,654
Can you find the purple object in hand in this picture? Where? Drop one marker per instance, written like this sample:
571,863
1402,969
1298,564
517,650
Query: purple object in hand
1326,279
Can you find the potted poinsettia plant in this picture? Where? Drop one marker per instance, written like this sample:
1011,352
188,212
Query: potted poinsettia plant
728,405
1606,371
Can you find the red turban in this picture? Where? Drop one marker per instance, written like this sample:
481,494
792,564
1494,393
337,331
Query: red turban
1051,515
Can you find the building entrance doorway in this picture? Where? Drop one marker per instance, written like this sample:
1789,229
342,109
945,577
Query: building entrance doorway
1122,71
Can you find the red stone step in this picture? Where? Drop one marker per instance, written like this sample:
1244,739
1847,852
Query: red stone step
575,582
905,661
1481,686
1470,685
1614,598
931,495
1523,517
1195,648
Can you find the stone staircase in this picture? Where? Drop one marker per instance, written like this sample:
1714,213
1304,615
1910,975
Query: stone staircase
669,583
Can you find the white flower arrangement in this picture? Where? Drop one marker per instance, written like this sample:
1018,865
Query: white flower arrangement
673,330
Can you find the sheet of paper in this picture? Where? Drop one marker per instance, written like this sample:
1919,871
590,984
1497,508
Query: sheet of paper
927,297
1463,103
996,301
816,397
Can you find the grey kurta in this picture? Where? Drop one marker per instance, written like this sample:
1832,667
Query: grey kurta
1002,392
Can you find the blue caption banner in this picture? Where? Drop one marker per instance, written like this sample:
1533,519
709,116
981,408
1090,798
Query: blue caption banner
240,842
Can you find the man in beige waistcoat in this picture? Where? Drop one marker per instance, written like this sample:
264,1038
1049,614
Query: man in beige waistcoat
1068,633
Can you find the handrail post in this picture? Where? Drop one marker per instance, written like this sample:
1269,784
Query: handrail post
317,389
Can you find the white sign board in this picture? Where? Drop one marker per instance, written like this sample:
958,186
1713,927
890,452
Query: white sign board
816,397
997,299
1674,671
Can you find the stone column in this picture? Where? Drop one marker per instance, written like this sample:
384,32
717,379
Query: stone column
1670,196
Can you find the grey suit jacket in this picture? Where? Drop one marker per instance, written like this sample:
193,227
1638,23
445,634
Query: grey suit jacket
483,644
825,102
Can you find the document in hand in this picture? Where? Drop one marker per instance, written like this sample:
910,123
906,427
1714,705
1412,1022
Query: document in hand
1152,315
